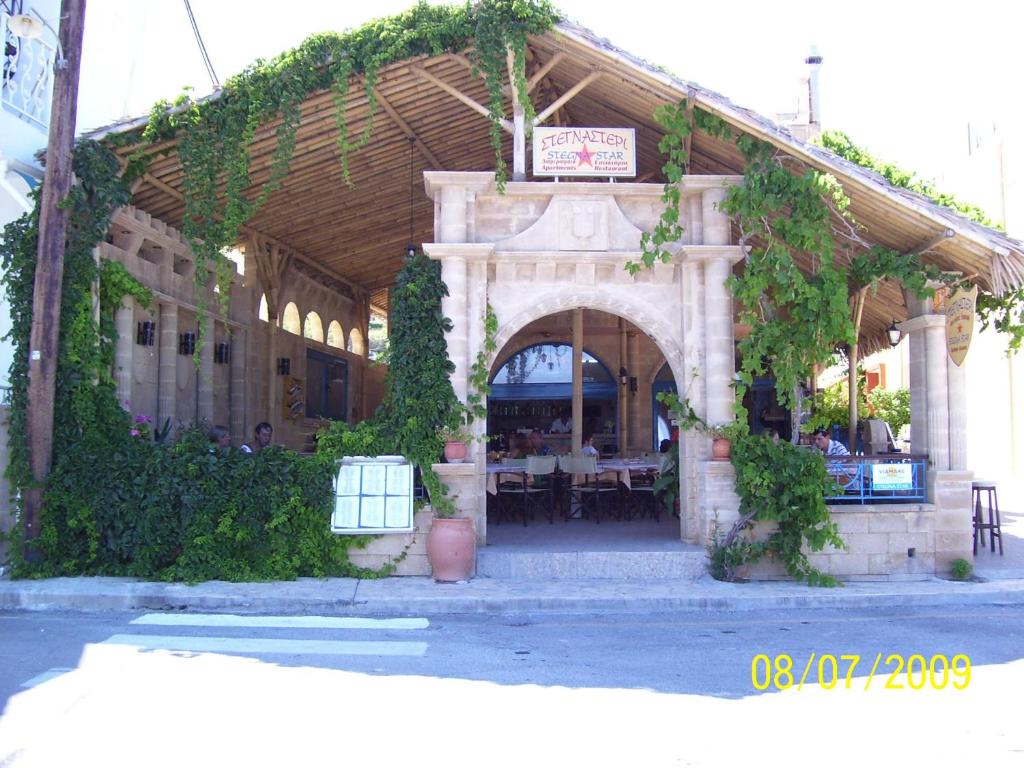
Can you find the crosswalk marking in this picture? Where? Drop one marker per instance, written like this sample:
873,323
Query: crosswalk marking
284,622
267,645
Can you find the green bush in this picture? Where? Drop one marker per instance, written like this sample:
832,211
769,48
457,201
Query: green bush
961,570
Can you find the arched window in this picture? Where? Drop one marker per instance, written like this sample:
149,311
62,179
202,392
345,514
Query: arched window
264,309
545,370
313,328
290,320
335,335
355,342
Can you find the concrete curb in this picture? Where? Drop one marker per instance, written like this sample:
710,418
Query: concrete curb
488,596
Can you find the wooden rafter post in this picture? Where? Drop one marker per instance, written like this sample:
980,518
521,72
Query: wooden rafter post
518,122
45,329
858,312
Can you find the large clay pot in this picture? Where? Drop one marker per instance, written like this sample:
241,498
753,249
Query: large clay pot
455,452
720,449
451,548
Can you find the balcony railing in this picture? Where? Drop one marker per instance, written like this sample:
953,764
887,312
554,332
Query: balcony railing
895,478
27,78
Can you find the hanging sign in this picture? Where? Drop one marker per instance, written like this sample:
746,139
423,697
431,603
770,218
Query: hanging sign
892,477
960,323
584,152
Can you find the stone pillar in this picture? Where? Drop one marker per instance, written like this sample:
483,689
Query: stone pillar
938,394
956,381
719,503
464,488
719,352
454,274
237,395
204,394
950,492
715,223
454,194
167,381
918,378
696,231
124,373
692,446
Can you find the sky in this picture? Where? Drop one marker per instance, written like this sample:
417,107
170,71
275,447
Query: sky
903,79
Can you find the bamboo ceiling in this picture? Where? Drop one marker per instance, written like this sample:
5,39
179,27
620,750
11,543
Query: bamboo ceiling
358,233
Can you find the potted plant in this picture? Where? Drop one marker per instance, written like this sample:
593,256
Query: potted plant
456,442
721,440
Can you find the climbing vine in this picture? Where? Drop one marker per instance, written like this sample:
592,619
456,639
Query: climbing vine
1005,313
798,318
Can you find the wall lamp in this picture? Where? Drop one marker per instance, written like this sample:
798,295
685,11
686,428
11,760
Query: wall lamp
146,333
623,376
284,366
894,334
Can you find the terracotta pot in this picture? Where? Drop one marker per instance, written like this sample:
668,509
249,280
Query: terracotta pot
455,452
451,548
720,448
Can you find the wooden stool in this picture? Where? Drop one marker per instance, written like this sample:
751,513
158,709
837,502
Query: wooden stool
993,525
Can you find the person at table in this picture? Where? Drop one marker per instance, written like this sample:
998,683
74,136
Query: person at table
827,445
665,446
562,424
519,446
588,447
537,447
773,435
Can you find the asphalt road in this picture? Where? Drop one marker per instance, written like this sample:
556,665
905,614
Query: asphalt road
687,689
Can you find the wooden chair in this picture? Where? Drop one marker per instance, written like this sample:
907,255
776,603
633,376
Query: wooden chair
585,491
533,488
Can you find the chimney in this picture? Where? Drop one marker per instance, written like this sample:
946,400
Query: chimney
814,90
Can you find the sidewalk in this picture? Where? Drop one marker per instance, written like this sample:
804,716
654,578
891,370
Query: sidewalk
408,595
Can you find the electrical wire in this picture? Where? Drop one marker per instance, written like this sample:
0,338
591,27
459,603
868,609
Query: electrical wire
202,47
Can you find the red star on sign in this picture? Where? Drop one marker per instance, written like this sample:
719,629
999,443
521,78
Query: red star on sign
585,155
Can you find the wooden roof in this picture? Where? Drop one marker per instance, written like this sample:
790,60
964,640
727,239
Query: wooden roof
357,234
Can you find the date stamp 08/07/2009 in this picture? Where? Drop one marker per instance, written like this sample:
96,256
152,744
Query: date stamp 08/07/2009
830,671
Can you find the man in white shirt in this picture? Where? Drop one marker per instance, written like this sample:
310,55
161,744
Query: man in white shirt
561,425
827,445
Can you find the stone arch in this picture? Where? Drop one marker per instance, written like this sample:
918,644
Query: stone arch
620,305
290,319
313,327
264,311
355,342
335,335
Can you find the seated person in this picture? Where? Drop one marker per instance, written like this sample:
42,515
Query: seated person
519,446
828,447
665,446
773,435
588,447
262,436
562,424
537,447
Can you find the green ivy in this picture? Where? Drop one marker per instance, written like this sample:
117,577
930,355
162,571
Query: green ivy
1004,313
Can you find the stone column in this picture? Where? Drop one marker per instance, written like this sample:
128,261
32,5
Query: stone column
237,396
454,274
937,394
956,381
715,223
167,381
577,381
124,323
717,311
204,394
918,379
692,446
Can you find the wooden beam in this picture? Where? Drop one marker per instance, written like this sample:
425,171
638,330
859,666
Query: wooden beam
568,95
518,122
44,331
474,105
409,132
929,244
249,231
537,76
691,97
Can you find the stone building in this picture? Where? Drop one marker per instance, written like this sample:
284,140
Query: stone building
548,256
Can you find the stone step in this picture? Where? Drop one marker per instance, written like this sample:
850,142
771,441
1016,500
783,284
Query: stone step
502,563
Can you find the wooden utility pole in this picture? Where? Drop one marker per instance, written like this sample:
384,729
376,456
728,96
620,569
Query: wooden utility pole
45,331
